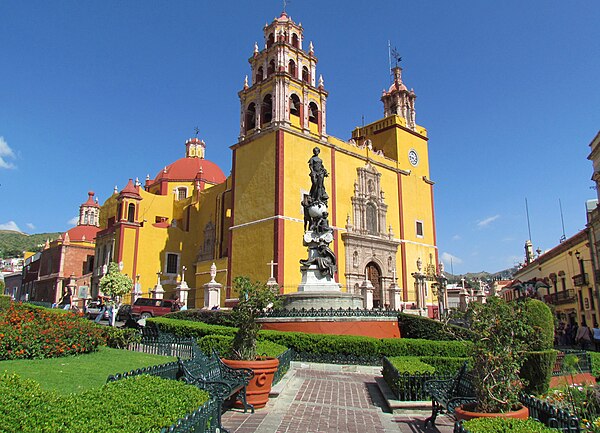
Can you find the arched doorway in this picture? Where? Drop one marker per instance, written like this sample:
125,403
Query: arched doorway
374,276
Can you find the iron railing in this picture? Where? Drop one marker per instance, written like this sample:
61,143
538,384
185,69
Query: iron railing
284,365
202,420
408,386
331,312
562,297
156,343
584,363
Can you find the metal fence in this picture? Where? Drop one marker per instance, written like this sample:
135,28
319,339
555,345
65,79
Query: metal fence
331,312
584,363
550,415
408,386
284,365
203,420
164,344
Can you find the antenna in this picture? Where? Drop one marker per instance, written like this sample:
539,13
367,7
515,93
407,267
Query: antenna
390,59
562,220
528,224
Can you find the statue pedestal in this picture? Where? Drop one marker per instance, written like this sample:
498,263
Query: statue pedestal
212,295
158,292
182,291
395,299
314,281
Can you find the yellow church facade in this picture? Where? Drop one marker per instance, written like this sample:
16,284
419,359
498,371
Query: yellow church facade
381,204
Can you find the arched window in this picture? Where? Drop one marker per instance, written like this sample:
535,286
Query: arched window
371,219
295,41
266,113
295,105
292,68
270,40
120,212
259,74
251,117
86,217
313,112
131,213
305,74
271,68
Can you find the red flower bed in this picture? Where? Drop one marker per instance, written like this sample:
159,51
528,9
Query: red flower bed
31,332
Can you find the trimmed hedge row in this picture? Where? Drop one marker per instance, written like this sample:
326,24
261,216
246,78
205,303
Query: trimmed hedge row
222,344
413,326
537,371
210,317
595,358
142,403
323,344
505,425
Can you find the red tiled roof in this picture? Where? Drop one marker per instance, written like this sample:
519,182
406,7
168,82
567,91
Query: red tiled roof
90,201
188,168
130,190
77,233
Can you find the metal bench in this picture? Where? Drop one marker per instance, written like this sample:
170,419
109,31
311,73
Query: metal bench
449,394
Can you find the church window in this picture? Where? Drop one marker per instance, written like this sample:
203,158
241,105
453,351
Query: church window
271,68
172,263
92,219
371,219
251,117
131,213
419,227
120,212
305,74
181,193
266,114
295,105
270,40
259,74
313,113
295,41
355,259
85,217
292,68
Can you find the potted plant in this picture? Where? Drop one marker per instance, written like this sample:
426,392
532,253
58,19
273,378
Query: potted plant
498,355
254,299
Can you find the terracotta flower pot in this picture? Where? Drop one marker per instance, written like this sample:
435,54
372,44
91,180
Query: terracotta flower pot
466,413
257,391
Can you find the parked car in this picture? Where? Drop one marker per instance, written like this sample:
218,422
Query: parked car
148,307
92,309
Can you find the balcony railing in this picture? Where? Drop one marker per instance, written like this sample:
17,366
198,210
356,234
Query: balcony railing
562,297
580,280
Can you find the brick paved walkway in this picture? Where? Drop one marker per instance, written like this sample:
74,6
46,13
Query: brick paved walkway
319,401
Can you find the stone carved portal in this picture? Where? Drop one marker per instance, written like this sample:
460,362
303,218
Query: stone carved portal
371,251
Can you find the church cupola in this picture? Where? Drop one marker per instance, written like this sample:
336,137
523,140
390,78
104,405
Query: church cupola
283,89
89,212
399,101
194,148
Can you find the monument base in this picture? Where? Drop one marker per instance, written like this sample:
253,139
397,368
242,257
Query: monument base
321,299
314,281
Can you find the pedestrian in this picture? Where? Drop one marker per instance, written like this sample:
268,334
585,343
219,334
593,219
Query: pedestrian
583,336
67,299
596,336
102,306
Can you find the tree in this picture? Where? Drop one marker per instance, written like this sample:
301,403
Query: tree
115,284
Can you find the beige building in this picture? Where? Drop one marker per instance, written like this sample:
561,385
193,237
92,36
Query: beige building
593,215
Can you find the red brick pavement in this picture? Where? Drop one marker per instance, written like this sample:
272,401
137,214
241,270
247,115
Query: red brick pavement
323,402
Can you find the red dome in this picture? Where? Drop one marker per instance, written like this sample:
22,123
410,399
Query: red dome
77,233
188,168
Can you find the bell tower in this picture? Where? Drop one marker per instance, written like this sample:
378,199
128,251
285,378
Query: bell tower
284,90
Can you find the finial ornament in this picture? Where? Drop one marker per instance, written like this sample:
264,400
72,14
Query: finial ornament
311,48
255,47
116,190
246,82
320,80
148,176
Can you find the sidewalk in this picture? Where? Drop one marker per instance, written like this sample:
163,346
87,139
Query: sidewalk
326,398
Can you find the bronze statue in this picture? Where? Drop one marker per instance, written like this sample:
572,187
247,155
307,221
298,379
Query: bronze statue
325,261
317,175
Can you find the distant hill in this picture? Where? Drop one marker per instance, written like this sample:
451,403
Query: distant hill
505,274
12,244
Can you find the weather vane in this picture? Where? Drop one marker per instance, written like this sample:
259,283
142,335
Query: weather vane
197,131
396,56
285,3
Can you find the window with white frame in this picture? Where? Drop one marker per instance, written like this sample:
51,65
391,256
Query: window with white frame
172,263
181,193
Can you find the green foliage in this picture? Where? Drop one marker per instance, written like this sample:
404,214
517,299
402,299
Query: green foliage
595,358
114,283
445,365
186,328
417,347
12,244
222,344
118,338
536,371
582,401
141,403
413,326
254,299
29,332
505,425
540,318
498,353
410,365
210,317
5,302
2,286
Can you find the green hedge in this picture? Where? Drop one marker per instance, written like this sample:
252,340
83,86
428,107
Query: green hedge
595,358
323,344
410,365
540,318
222,344
120,338
5,302
537,371
506,425
141,403
210,317
413,326
446,365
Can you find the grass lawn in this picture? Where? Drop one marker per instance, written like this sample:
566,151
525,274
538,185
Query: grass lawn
78,373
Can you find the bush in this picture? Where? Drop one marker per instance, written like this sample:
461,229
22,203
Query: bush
413,326
31,332
26,408
210,317
5,302
595,359
537,371
120,338
410,365
186,328
417,347
540,318
445,365
505,425
222,344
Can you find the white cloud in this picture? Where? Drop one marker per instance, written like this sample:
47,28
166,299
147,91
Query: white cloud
73,221
11,225
456,238
30,226
5,152
448,258
486,222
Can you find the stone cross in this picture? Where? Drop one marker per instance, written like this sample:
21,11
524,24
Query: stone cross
272,265
158,274
183,269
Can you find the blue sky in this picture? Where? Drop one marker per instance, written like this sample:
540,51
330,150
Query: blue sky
95,93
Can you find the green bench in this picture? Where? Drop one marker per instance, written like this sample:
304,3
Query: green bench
449,394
